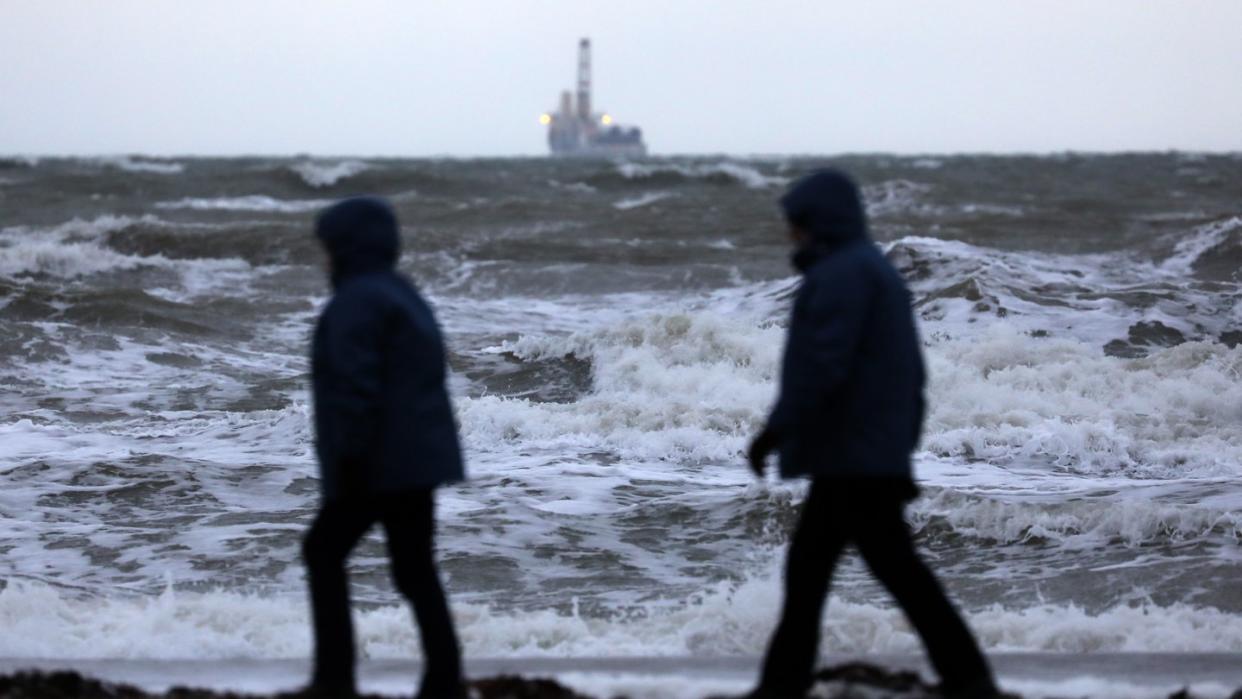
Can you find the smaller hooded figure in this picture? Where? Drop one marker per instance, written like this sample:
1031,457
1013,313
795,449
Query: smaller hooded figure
385,437
848,416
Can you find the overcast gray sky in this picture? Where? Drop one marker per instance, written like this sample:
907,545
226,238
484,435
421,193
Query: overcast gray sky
469,77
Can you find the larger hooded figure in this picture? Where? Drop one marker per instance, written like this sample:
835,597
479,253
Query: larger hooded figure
849,414
851,394
383,420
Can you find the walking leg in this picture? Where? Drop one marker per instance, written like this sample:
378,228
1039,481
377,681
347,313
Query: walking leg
813,553
888,548
332,536
410,527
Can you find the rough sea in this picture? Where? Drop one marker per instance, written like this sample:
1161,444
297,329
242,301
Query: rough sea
614,331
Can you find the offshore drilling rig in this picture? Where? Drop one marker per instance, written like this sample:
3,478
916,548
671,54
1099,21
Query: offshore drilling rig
575,131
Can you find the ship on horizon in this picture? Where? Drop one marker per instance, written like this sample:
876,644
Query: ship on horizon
574,131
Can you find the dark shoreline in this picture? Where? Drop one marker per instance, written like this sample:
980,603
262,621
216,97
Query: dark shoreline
847,681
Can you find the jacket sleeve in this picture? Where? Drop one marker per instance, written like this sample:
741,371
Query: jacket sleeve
824,334
353,381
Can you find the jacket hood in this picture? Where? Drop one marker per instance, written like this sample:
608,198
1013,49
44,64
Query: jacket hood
827,206
360,235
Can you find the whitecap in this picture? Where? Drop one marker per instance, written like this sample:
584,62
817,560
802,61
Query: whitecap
253,202
728,619
744,174
130,164
326,174
641,200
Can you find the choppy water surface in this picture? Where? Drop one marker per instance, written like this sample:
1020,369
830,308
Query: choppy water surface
614,331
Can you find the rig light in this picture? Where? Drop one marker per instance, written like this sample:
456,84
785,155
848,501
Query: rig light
545,119
605,120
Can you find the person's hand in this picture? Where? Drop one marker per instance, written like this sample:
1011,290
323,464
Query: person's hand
763,444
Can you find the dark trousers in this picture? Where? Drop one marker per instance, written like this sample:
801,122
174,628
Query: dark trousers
409,525
833,516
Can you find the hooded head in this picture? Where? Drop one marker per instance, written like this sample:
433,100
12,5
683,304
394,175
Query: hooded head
827,207
360,235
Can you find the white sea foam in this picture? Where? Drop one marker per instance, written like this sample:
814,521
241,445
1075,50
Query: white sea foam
894,197
579,187
961,288
696,381
1203,239
326,174
253,202
993,209
69,250
130,164
689,385
77,228
745,174
1082,517
64,260
641,200
727,620
76,249
1006,396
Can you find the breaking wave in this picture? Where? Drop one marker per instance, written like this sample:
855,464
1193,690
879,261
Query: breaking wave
696,383
254,202
641,200
729,620
1007,397
321,174
725,172
1212,251
684,385
71,249
893,197
81,248
129,164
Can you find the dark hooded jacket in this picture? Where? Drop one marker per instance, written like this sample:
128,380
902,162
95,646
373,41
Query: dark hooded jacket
851,399
383,421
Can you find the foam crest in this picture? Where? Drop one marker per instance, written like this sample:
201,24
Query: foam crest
76,249
727,620
71,249
1119,299
1201,243
697,380
743,174
641,200
130,164
690,384
1081,522
65,260
893,197
321,174
253,202
1007,396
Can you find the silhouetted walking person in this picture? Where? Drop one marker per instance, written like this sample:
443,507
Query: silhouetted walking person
849,414
385,437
